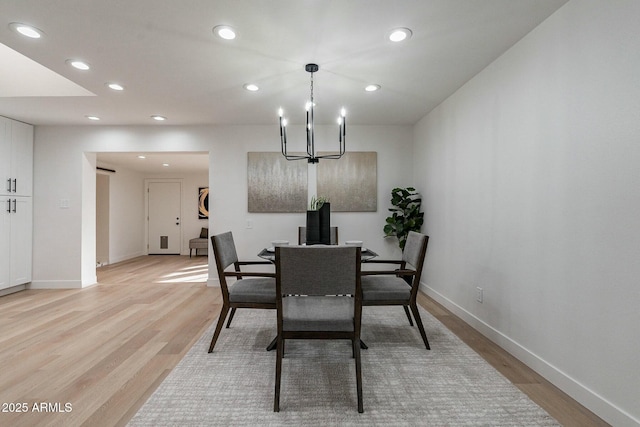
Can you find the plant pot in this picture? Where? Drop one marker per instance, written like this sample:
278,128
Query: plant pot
325,224
313,227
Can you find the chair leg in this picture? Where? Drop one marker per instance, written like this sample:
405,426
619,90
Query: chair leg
190,252
356,350
223,315
416,315
406,311
276,396
233,311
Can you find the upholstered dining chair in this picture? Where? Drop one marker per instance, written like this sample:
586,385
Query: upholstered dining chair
399,286
318,297
302,235
250,290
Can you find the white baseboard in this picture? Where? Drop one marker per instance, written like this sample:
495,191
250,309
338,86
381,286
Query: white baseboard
126,257
214,283
585,396
55,284
13,289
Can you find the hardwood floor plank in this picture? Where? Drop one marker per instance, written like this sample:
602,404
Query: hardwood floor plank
106,348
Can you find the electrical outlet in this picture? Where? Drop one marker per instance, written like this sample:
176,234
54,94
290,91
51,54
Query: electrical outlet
479,294
249,223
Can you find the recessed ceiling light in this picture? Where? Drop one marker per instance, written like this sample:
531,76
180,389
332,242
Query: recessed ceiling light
80,65
251,87
400,34
94,118
115,86
141,156
26,30
372,88
166,165
159,118
224,32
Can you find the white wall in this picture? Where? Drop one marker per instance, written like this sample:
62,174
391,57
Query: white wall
126,215
102,218
58,162
532,180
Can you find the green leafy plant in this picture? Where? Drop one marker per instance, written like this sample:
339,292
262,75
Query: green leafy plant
317,202
406,214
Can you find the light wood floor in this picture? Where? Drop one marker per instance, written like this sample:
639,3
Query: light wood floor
105,349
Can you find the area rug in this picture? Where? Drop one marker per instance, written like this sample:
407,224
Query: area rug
404,384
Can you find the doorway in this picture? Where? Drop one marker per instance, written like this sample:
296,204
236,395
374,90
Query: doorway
164,216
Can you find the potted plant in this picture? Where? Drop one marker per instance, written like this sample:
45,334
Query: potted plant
406,214
319,221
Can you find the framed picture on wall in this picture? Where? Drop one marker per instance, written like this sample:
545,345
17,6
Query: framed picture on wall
203,203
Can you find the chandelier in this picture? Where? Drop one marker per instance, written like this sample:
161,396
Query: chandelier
311,156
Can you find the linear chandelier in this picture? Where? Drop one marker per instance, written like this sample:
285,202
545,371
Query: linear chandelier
311,156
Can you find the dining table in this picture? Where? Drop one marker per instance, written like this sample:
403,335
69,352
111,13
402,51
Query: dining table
269,254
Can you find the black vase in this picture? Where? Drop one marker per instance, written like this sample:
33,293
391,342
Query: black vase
313,227
325,224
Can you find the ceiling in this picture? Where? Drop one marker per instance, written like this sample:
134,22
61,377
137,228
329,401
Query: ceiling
153,163
170,63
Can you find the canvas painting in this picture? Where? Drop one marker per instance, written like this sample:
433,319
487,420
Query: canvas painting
203,202
276,184
350,183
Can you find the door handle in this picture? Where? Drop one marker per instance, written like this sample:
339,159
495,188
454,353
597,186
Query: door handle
9,185
15,205
9,205
15,185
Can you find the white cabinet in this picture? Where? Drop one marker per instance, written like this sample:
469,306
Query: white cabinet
16,204
16,157
16,233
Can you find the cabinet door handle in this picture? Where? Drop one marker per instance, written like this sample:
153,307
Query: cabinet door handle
15,205
15,185
9,185
9,205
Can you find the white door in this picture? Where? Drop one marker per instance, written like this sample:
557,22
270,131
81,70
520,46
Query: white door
164,207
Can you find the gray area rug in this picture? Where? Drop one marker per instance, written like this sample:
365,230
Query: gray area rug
404,384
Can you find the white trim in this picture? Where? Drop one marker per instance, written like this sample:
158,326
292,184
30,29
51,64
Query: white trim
578,391
12,289
55,284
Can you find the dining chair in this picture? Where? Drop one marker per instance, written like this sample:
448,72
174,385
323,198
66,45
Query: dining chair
257,290
318,296
399,286
302,235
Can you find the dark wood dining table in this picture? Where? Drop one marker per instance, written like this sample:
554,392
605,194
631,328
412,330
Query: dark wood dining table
269,254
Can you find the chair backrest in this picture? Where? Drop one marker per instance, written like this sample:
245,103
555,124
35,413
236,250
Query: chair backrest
224,250
414,252
317,270
302,235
